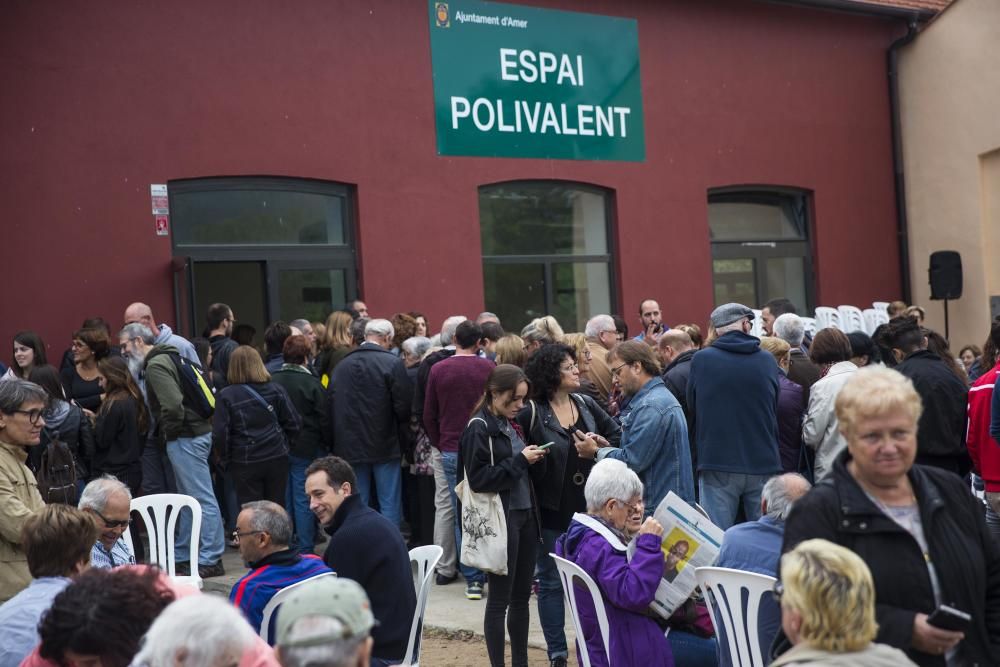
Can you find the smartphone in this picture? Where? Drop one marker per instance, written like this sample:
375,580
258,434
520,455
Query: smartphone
949,618
546,445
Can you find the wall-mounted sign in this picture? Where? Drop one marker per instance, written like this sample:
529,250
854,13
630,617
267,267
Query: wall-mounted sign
515,81
162,225
158,196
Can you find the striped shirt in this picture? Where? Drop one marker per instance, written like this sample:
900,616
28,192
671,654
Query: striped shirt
103,559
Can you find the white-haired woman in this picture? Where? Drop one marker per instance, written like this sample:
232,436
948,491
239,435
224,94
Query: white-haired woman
596,541
200,631
827,599
918,528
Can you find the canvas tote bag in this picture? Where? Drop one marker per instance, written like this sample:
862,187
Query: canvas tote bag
484,526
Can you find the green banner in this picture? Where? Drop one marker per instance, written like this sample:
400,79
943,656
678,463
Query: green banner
515,81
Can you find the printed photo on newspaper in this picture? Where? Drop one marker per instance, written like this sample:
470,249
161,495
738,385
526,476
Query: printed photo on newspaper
690,540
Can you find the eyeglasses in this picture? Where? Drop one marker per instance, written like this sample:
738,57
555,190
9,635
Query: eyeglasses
634,508
33,415
109,523
777,591
617,369
570,368
237,534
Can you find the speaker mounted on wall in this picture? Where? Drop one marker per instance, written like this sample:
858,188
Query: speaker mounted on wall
945,275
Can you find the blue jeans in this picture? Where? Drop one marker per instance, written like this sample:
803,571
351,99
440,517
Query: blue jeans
297,501
551,603
449,461
722,492
693,651
388,484
189,459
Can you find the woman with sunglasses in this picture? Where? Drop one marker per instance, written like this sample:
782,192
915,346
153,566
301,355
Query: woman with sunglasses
22,404
558,413
596,541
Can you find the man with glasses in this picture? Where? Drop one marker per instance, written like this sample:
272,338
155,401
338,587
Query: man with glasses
601,337
220,329
187,437
108,500
263,534
654,432
732,395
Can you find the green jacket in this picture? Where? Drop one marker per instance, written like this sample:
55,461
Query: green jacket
166,401
309,398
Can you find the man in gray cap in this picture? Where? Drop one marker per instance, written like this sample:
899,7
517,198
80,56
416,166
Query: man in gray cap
732,395
325,622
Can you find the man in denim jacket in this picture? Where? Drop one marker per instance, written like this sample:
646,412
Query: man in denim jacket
654,431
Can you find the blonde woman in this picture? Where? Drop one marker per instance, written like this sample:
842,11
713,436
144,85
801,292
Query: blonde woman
511,350
827,601
540,331
790,405
335,344
578,342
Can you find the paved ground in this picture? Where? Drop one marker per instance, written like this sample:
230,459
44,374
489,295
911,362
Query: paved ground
447,608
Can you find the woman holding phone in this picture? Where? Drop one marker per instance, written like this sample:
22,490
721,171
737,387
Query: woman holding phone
559,414
494,456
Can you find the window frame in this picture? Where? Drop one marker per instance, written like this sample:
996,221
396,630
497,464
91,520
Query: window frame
548,259
759,249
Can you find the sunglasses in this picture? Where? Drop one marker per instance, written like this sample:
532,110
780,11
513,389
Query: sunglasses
109,523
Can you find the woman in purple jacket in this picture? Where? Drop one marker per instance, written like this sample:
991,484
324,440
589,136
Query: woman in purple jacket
596,541
791,405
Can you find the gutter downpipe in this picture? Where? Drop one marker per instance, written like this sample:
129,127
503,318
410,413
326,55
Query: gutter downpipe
902,222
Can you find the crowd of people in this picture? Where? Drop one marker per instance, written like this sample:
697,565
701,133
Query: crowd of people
840,463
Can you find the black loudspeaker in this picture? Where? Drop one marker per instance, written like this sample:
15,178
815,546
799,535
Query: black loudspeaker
946,275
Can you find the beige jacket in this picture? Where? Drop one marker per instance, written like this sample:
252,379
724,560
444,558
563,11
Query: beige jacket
19,499
873,655
600,372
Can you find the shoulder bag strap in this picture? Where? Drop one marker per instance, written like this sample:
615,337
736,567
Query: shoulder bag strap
267,406
489,436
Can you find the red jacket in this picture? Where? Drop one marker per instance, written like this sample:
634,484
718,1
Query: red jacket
983,450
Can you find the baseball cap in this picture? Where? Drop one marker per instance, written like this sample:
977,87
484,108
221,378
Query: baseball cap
729,313
333,597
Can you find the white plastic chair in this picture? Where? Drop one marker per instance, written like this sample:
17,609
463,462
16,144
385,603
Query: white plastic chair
758,324
422,561
827,317
279,597
568,571
809,325
882,306
160,513
874,319
722,589
851,319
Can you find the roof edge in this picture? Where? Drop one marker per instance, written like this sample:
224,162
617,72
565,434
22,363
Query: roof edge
861,7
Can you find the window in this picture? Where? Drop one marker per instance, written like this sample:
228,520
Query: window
760,246
546,251
272,248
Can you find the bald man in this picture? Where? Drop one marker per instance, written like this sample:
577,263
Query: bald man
143,314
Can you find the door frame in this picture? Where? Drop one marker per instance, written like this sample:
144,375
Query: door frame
760,252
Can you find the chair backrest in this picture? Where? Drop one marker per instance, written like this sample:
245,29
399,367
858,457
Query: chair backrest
882,306
851,319
279,597
160,513
723,590
568,571
827,317
758,324
809,325
422,561
874,319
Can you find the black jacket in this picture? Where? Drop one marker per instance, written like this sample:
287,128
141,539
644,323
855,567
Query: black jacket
365,547
370,399
676,375
562,454
66,422
506,469
222,349
964,554
941,431
309,399
119,442
245,431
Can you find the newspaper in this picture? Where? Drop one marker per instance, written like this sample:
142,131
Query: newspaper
690,541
